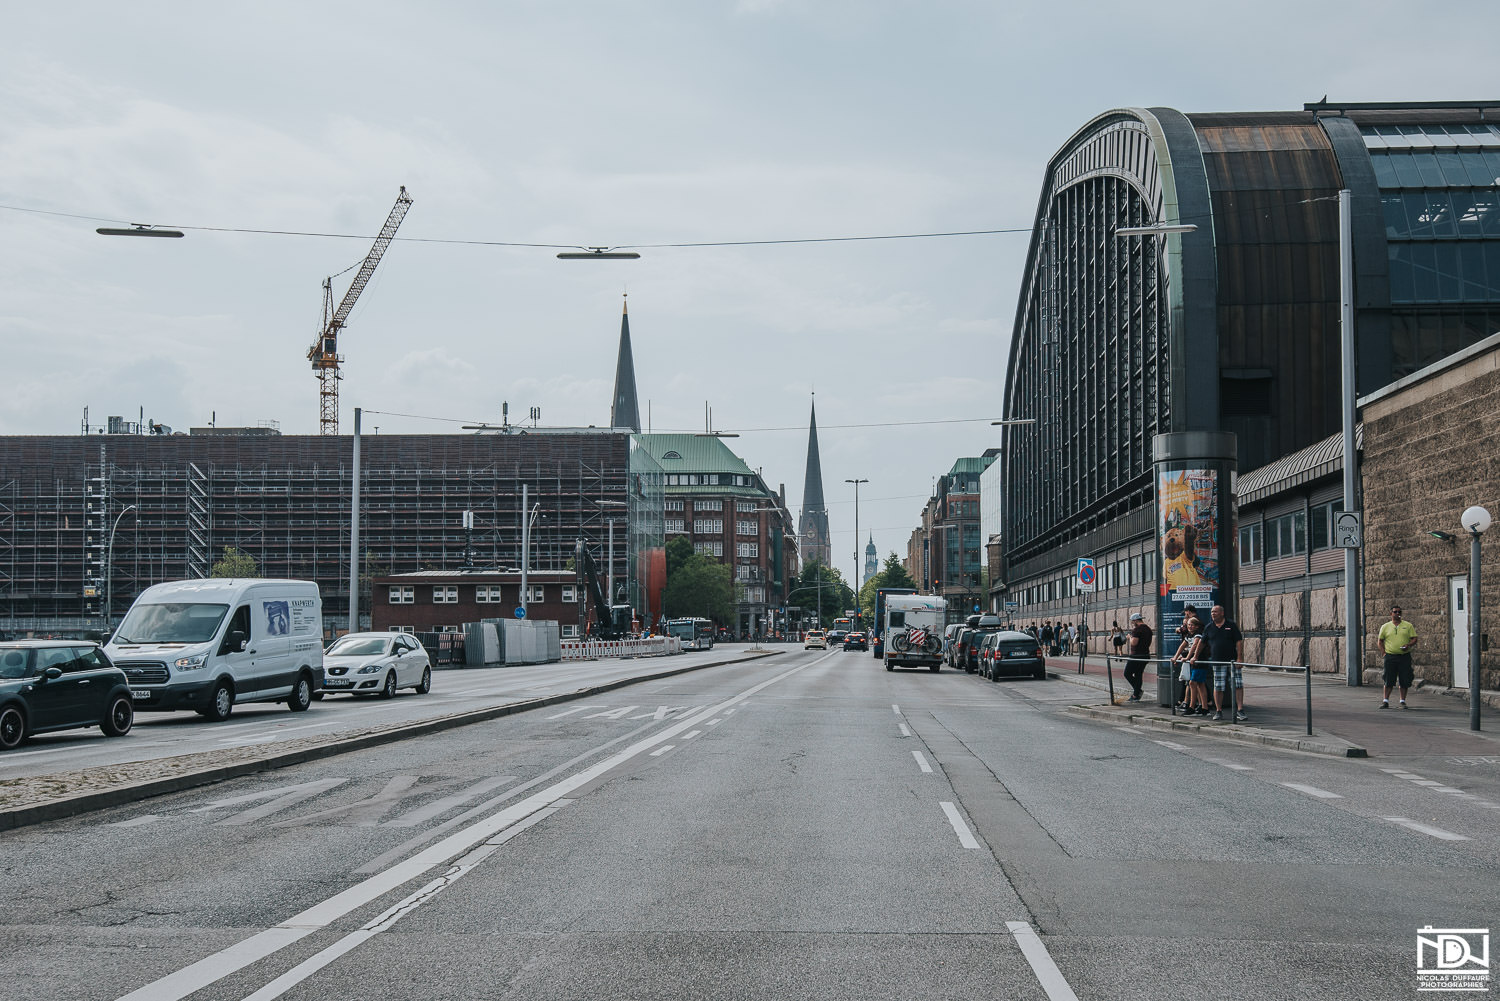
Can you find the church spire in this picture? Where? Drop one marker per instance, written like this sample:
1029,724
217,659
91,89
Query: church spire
625,412
813,525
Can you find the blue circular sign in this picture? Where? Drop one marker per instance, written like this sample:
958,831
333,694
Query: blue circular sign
1086,573
520,611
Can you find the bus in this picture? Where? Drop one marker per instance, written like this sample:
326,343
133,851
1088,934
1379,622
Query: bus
847,625
696,634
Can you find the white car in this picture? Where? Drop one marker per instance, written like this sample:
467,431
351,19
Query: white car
816,640
376,664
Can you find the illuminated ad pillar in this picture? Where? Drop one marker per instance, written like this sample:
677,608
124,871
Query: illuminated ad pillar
1196,535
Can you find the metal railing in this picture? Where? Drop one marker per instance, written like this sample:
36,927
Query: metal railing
1109,674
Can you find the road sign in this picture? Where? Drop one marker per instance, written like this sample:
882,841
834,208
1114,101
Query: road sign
1087,573
1012,605
520,611
1348,533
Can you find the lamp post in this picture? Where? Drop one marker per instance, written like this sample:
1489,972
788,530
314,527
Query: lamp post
854,581
109,567
937,581
528,515
1476,521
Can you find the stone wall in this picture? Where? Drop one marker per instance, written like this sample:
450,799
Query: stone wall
1293,628
1431,449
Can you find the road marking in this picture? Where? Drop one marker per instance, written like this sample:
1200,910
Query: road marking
612,713
1312,790
691,734
1427,782
1408,776
569,712
662,750
215,967
279,731
1230,764
1436,832
895,709
1047,973
965,836
921,761
715,722
365,812
1171,744
284,797
905,730
441,806
141,821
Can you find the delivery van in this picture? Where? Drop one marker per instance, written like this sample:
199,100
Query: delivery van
206,645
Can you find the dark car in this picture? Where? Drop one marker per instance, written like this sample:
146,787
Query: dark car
836,636
856,641
59,685
1004,653
982,626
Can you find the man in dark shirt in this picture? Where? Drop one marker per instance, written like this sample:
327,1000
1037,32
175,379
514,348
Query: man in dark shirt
1225,648
1140,649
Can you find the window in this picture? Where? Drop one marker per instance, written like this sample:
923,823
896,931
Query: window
570,632
570,593
538,594
745,572
672,505
677,525
747,550
487,594
709,548
746,528
755,595
1250,544
403,629
1286,535
402,594
708,505
708,526
1322,523
447,594
745,507
671,455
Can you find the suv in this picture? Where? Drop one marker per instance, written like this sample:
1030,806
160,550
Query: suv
980,626
815,639
60,685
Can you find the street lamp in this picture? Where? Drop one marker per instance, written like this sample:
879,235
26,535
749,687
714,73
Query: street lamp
611,569
1476,521
854,581
109,565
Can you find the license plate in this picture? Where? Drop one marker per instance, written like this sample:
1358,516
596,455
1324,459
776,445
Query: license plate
337,683
1019,653
140,694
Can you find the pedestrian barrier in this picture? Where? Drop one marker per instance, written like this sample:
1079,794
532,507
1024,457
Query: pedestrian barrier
1109,674
656,646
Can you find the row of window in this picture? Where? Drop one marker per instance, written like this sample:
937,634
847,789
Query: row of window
747,550
1287,534
1456,168
447,594
1447,212
568,631
1445,271
710,526
1112,574
707,480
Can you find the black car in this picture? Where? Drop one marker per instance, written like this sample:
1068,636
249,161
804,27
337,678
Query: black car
1006,653
836,636
856,641
59,685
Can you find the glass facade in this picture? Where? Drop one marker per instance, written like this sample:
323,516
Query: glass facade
1440,191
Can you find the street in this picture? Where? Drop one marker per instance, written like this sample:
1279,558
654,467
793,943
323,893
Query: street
805,825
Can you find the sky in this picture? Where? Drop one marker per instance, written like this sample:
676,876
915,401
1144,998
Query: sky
592,123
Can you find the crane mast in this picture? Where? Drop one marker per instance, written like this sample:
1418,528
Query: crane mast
324,354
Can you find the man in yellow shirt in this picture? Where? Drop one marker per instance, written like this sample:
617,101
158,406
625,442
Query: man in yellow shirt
1396,639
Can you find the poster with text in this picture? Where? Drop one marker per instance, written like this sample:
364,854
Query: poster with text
1189,534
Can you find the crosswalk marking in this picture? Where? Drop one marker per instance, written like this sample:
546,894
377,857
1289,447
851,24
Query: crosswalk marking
365,812
280,799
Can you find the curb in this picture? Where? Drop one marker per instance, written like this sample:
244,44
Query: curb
1239,734
72,806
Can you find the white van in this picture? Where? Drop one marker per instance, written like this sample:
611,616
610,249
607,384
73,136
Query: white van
207,644
913,631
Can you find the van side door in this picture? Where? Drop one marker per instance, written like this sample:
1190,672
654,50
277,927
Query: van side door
271,627
240,662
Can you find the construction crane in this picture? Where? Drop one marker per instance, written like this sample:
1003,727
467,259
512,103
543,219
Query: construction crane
324,354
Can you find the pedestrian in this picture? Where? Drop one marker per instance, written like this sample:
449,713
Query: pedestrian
1199,671
1395,640
1045,637
1140,649
1225,646
1064,639
1117,637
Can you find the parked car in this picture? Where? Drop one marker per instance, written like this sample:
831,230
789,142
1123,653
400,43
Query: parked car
836,636
856,641
815,639
376,664
950,643
50,685
981,626
1006,653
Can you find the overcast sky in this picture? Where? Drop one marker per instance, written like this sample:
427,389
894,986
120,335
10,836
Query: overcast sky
603,123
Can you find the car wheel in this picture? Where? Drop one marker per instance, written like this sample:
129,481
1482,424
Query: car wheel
888,666
302,694
120,718
12,728
426,684
935,668
221,704
388,690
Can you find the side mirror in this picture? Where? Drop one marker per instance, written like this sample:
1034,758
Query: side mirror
237,640
53,673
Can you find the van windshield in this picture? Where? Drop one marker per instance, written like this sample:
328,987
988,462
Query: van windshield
171,622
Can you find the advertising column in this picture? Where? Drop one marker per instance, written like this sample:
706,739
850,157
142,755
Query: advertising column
1196,536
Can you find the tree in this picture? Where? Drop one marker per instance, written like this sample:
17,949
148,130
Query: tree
821,588
234,564
679,551
699,588
892,574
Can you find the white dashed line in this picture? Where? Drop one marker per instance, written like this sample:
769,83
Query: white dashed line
1047,973
1427,782
1230,764
1171,744
691,734
905,730
714,722
895,709
921,761
1312,790
1436,832
965,836
662,750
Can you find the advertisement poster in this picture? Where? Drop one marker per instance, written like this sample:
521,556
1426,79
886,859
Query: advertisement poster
1189,531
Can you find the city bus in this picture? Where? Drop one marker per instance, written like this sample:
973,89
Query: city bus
696,634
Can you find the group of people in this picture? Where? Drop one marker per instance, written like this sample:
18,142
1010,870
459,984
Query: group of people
1060,639
1211,650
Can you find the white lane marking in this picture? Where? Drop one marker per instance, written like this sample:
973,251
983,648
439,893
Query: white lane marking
715,722
612,713
396,912
1436,832
662,750
278,732
365,812
141,821
1312,790
1408,776
441,806
569,712
1393,771
691,734
1127,729
905,730
1427,782
1226,763
285,798
1171,744
1047,973
895,709
965,836
215,967
921,761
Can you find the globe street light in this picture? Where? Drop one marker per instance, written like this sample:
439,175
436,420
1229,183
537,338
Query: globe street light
1476,521
854,581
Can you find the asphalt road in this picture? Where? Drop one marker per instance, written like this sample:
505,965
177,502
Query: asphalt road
804,826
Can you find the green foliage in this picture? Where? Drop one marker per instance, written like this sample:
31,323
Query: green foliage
679,551
234,564
892,574
821,589
699,587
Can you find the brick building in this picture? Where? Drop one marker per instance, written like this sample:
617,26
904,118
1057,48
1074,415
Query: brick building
435,601
946,555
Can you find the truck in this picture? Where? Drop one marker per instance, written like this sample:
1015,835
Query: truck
913,631
877,627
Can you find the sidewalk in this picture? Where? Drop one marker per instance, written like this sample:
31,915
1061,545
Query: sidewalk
1346,722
